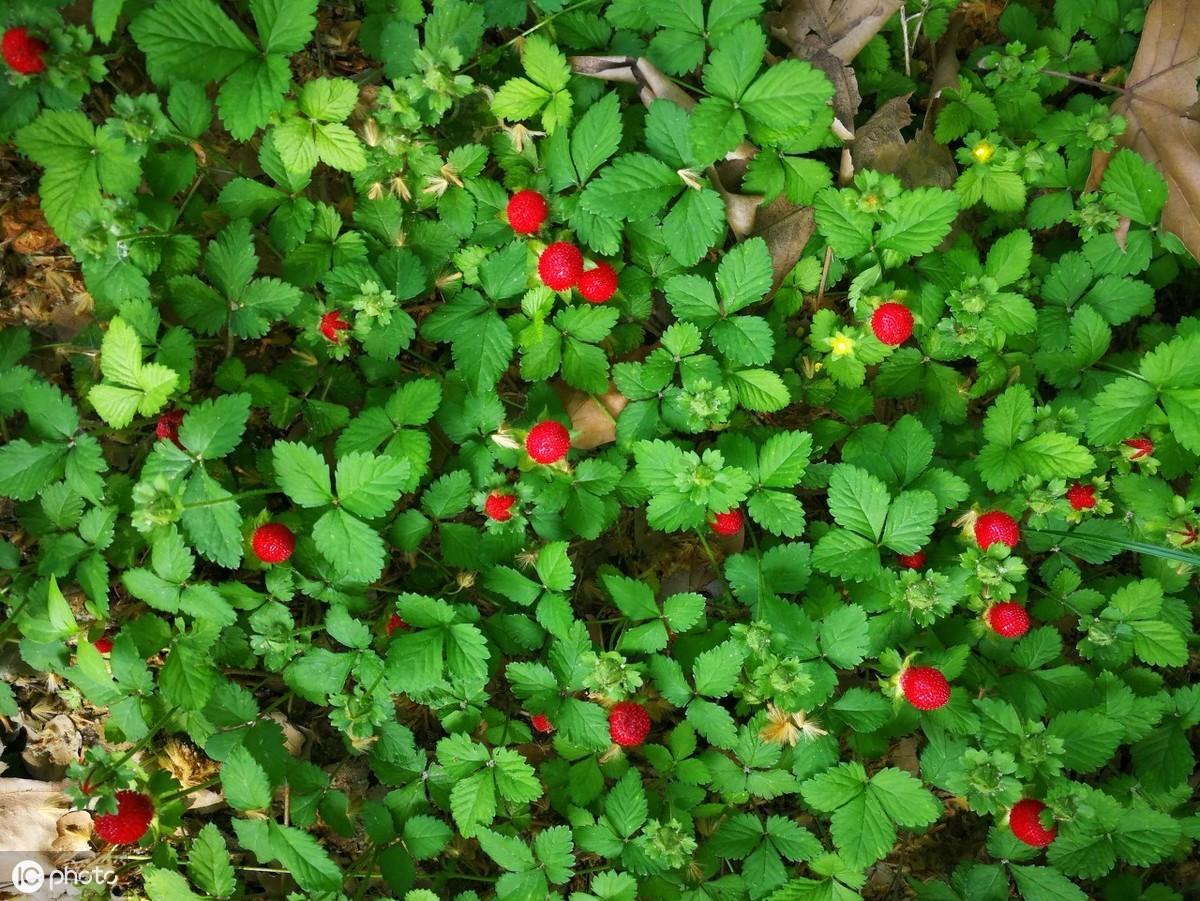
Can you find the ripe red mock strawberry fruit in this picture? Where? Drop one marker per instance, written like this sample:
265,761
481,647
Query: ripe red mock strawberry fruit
130,822
599,284
23,52
996,526
332,324
560,266
548,442
727,523
1081,497
1025,820
1142,447
925,687
526,212
912,561
1008,620
103,644
541,722
273,542
892,323
498,506
167,427
395,621
628,724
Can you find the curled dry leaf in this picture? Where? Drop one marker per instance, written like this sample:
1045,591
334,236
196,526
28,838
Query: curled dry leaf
51,749
593,417
1160,95
36,819
842,27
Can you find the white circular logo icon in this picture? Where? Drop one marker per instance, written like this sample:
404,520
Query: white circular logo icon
28,876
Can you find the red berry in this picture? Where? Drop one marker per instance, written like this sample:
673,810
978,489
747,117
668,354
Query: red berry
541,723
1008,620
1142,447
727,523
331,324
23,52
167,427
560,265
395,621
273,542
1081,497
103,644
1025,820
548,442
130,822
628,724
996,526
892,323
912,561
498,507
599,284
526,212
925,687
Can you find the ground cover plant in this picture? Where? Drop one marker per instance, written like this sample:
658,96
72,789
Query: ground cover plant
601,450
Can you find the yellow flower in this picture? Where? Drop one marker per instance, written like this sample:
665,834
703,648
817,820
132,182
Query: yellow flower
841,345
983,151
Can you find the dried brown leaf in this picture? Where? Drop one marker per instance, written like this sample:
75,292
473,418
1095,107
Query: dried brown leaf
593,417
1159,97
843,27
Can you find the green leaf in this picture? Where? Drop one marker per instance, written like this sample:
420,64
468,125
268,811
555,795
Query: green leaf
284,26
353,548
783,459
1089,739
744,276
858,500
717,127
208,863
758,390
716,671
1009,258
473,802
1133,187
244,781
140,387
787,93
165,885
302,474
596,136
1045,884
636,185
844,637
192,40
1120,411
212,520
214,427
847,230
368,485
920,219
910,521
1158,643
66,145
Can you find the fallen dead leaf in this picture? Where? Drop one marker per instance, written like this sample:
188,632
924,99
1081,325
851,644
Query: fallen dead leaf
843,27
1159,96
53,748
36,819
593,418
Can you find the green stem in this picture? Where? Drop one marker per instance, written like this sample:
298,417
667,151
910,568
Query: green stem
254,492
540,25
